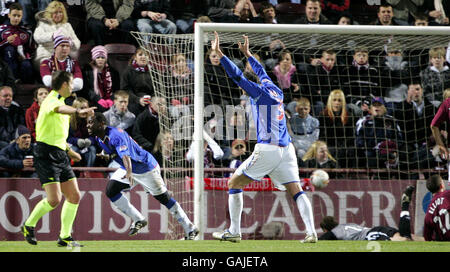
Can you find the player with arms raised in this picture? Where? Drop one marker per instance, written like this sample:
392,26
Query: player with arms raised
437,218
274,154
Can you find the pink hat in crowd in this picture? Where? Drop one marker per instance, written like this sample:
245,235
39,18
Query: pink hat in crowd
59,39
99,51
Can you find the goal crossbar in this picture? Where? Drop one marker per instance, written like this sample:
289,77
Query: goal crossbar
201,29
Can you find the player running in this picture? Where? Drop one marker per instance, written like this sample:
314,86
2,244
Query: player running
437,218
136,166
274,154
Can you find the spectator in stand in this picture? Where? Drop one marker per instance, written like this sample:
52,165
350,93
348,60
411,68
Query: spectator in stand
303,128
11,116
109,21
52,22
244,12
438,11
146,127
220,10
79,137
17,45
186,12
421,20
436,77
101,80
318,157
212,153
414,115
313,14
345,19
62,61
154,17
324,76
284,73
40,93
267,14
385,16
181,75
18,154
337,126
405,10
360,79
237,155
334,9
136,80
220,89
4,10
163,149
378,137
118,115
6,75
30,9
396,73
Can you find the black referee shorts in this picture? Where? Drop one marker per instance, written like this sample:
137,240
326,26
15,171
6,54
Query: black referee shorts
381,233
52,164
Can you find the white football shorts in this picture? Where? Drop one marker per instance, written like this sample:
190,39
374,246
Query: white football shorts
151,181
280,163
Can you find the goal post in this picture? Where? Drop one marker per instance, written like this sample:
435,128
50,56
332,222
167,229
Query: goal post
203,32
210,86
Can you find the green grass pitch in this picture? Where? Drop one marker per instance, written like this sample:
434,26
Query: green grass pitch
217,246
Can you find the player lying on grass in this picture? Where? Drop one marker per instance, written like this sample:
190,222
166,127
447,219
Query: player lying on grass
274,153
335,231
136,166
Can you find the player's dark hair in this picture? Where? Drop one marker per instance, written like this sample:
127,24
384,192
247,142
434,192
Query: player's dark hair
434,183
15,6
59,78
328,223
100,118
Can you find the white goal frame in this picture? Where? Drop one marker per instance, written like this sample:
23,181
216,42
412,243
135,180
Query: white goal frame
199,38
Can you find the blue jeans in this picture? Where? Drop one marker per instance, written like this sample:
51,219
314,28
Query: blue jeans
163,27
88,157
29,9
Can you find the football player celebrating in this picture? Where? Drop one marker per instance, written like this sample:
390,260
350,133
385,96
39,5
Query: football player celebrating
274,153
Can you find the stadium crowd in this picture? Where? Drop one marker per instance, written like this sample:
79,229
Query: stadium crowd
359,109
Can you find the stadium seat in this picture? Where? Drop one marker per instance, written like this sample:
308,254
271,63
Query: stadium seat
288,12
119,55
24,94
84,54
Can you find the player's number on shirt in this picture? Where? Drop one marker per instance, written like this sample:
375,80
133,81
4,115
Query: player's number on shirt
443,219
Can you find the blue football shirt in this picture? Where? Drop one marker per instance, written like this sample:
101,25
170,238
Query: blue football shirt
266,101
118,142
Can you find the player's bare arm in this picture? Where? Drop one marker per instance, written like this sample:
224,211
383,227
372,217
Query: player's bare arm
127,163
75,156
66,109
437,136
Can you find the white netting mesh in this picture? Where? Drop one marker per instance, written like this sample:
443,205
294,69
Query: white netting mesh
365,145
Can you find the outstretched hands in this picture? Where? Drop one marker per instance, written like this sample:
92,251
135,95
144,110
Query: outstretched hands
245,48
215,45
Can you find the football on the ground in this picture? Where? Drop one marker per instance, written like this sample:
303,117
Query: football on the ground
320,179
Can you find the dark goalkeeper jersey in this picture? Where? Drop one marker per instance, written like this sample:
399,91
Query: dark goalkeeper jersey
346,232
437,218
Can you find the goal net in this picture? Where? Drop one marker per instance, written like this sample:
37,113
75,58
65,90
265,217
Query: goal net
356,80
